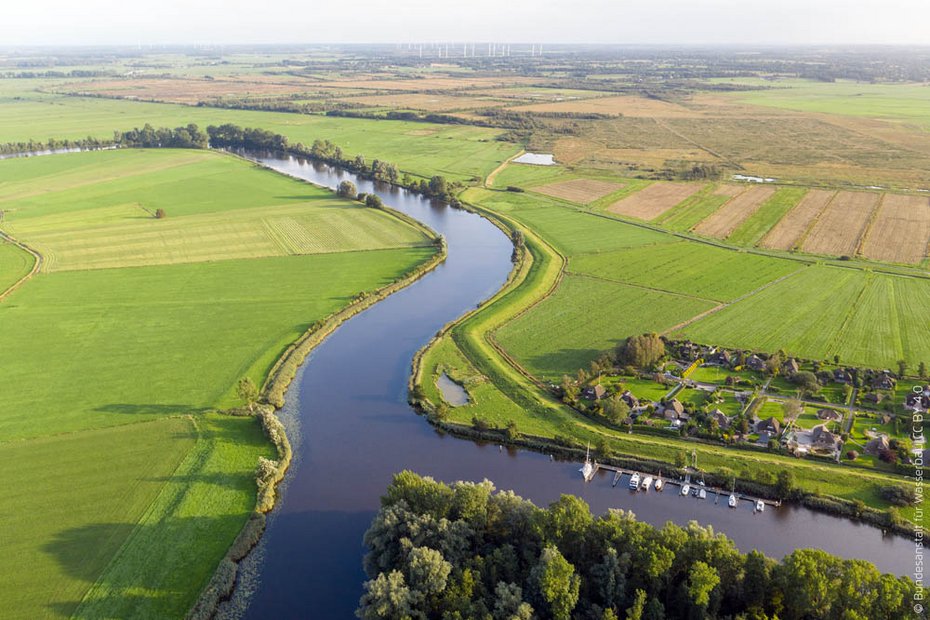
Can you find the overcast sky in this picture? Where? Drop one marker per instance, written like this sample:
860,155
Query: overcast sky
566,21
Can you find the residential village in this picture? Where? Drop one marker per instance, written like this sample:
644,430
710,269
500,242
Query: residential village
807,408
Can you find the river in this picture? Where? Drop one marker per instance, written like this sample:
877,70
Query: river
351,429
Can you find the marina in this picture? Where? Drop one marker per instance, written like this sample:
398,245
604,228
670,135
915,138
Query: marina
641,481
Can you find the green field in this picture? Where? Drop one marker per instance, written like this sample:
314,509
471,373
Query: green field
586,317
455,151
687,268
14,264
217,208
896,102
866,318
117,370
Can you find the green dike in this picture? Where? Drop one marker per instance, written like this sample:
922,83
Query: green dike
15,264
502,391
112,430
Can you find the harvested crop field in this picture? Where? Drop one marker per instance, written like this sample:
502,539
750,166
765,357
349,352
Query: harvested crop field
186,90
734,212
422,101
842,224
654,200
789,231
621,105
582,191
901,230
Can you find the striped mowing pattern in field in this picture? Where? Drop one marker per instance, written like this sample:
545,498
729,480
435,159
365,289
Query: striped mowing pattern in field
788,232
126,236
901,230
842,224
866,318
728,217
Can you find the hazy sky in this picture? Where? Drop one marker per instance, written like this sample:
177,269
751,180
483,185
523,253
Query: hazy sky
568,21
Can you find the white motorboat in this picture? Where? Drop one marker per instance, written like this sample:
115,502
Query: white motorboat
702,494
760,505
659,484
732,501
634,482
686,489
647,483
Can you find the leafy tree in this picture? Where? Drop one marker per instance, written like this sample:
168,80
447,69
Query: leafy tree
792,409
616,409
806,381
681,459
902,368
387,596
373,201
160,214
635,612
557,583
784,483
922,370
702,579
509,603
427,571
247,392
643,351
347,189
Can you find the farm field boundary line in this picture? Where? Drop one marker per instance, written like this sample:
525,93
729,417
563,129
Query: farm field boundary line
727,304
639,286
36,264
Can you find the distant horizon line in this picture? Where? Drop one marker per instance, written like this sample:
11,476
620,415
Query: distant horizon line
434,43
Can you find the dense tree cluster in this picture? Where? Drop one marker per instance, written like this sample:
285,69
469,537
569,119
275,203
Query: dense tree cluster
642,351
187,137
466,551
233,136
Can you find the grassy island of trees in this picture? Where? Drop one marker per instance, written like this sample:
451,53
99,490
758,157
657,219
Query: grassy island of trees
468,551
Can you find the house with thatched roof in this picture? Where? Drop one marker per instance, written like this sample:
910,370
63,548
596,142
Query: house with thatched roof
770,425
877,445
829,415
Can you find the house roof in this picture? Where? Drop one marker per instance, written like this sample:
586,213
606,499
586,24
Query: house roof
829,414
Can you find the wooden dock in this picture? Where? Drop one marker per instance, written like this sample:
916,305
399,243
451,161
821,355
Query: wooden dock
718,492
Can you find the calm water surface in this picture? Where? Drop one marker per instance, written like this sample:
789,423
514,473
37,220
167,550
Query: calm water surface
352,429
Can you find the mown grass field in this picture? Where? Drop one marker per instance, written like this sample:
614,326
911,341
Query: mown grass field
455,151
117,369
688,268
866,318
217,208
14,264
586,317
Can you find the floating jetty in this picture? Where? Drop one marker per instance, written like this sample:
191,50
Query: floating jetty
590,468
